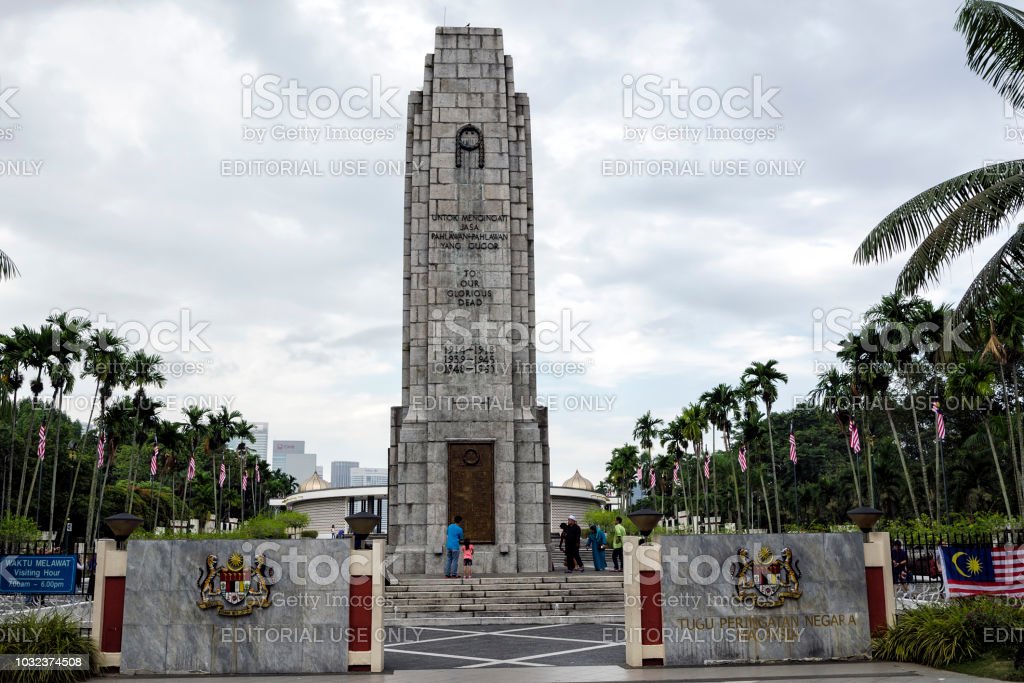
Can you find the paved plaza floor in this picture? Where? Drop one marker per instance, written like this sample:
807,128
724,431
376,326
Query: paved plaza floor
570,653
863,672
477,647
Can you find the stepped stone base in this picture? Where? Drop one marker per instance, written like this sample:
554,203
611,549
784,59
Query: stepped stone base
547,598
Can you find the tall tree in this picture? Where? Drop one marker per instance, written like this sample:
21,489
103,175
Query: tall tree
764,380
7,268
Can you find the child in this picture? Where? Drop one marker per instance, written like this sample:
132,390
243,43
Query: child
467,559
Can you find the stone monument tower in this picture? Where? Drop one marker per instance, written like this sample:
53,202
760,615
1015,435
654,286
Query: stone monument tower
469,438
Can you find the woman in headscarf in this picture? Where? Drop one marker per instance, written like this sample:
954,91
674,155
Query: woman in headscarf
596,541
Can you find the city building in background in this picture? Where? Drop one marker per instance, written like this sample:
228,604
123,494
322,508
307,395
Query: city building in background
369,476
281,451
341,473
260,431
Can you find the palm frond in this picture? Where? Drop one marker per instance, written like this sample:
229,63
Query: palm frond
994,33
7,268
1006,265
946,220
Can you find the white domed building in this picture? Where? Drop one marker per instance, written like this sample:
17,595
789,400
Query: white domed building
575,497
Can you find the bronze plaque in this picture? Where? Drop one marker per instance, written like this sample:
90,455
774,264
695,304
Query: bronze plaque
471,489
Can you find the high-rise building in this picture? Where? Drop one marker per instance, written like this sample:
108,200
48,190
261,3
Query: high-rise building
282,449
341,473
369,476
259,446
300,466
320,470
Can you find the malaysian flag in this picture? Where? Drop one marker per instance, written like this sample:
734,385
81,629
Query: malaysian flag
940,421
101,446
223,475
792,444
854,437
191,474
245,480
258,474
982,570
707,467
640,473
653,478
152,461
41,451
743,458
675,473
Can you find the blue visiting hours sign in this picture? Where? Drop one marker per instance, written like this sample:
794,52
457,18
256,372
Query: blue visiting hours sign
37,574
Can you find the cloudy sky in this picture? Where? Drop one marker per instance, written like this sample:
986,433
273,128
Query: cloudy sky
127,114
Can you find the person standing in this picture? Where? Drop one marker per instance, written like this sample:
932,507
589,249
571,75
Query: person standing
467,559
572,546
452,544
596,542
618,533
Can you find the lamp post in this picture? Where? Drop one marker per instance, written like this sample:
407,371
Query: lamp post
362,525
645,519
865,518
123,524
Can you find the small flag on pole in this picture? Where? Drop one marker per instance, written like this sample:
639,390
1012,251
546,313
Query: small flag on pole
258,479
707,467
41,452
743,458
152,461
653,478
640,473
940,421
245,480
792,444
675,473
854,437
223,475
191,468
101,446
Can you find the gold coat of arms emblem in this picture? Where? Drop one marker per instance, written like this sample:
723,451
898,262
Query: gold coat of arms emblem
234,589
766,580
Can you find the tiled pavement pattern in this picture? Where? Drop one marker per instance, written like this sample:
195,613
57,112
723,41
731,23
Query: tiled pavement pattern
475,647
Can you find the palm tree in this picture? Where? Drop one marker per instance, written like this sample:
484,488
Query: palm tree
194,431
37,347
11,379
143,371
973,381
221,429
763,379
7,268
105,361
905,317
62,377
622,470
675,443
950,218
832,394
721,403
646,430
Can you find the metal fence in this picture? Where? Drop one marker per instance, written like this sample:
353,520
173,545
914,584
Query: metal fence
13,600
919,580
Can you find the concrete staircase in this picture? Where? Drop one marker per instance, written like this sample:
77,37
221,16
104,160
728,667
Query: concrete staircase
553,598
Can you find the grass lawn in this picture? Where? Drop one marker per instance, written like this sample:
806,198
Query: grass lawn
989,667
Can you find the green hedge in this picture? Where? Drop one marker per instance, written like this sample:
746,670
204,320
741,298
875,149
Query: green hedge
54,634
279,525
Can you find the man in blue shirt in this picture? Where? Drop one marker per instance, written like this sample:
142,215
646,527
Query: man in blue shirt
453,542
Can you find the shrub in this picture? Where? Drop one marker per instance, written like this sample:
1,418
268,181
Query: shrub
309,533
54,634
940,635
606,520
261,526
16,529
